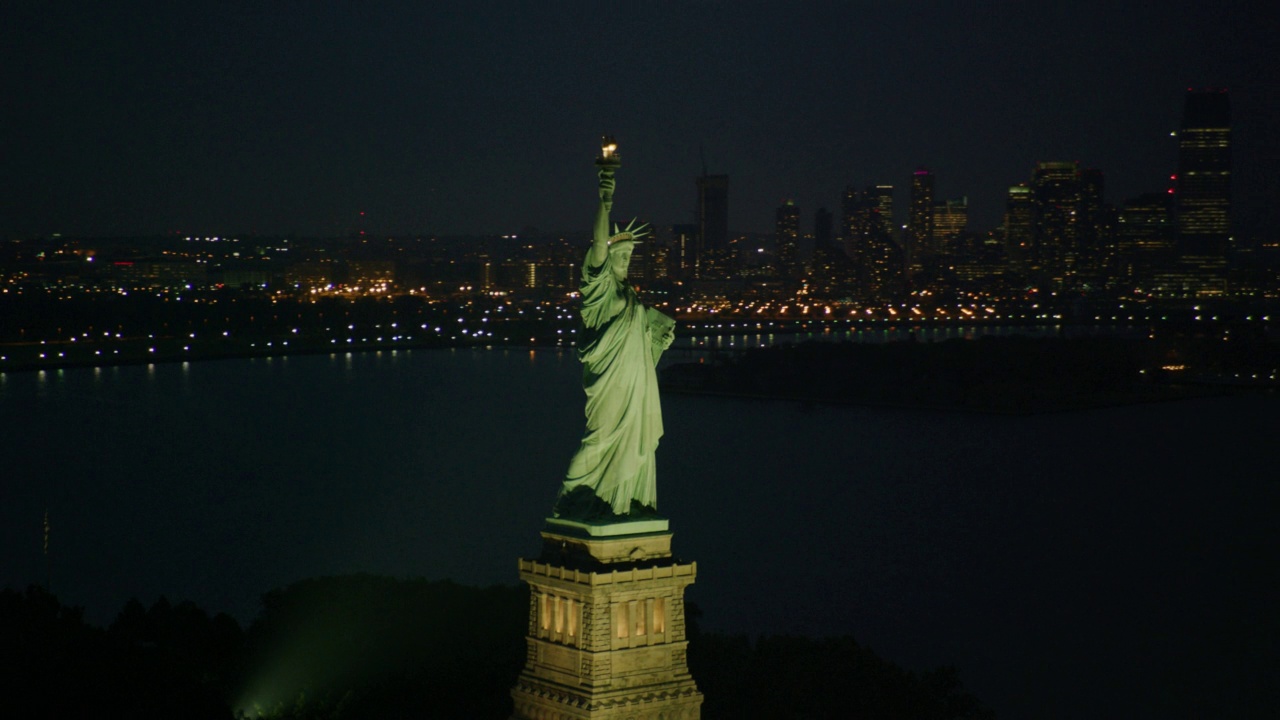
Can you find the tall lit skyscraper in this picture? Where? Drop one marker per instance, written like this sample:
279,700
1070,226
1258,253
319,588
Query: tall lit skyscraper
1055,192
1145,238
869,239
919,238
882,196
950,218
788,239
1093,249
1202,201
1019,228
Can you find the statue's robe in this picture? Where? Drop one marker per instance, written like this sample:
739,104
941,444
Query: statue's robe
624,417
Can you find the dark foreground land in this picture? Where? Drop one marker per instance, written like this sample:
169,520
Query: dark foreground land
373,647
992,374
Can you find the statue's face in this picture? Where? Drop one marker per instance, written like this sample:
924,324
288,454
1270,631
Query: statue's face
620,261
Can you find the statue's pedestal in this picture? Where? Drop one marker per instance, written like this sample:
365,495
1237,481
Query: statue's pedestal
606,626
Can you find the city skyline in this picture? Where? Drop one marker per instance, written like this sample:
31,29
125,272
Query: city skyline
207,119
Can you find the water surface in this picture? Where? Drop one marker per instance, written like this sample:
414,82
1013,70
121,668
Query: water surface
1115,562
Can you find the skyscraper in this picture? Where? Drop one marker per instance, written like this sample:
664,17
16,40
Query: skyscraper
868,236
823,231
684,251
950,218
882,196
1202,201
919,238
1094,247
850,202
1019,228
713,251
1145,238
713,211
1055,193
788,239
830,264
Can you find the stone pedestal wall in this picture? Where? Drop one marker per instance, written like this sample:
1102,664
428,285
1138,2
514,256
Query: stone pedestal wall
606,632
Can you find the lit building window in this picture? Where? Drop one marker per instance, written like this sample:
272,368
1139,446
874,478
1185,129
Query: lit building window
622,619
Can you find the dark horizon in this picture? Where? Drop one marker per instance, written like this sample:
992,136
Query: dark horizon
209,119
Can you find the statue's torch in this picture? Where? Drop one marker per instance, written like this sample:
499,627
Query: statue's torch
608,162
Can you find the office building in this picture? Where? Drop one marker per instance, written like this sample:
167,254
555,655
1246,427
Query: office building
713,214
787,239
1019,228
950,219
919,234
1202,199
1055,193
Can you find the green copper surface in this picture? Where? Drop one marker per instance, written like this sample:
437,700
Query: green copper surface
619,344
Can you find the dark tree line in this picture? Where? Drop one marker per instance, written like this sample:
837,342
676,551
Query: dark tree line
360,646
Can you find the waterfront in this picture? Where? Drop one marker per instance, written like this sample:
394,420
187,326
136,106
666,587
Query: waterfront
1109,562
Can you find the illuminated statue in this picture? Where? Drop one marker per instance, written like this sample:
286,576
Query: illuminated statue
619,343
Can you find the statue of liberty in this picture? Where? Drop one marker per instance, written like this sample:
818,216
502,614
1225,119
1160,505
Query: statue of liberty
619,343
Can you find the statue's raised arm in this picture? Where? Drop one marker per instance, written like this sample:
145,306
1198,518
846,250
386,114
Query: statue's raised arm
606,169
600,237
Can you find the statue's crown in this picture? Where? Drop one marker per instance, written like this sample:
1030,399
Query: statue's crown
622,238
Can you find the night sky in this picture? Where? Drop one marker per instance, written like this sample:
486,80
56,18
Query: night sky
447,118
